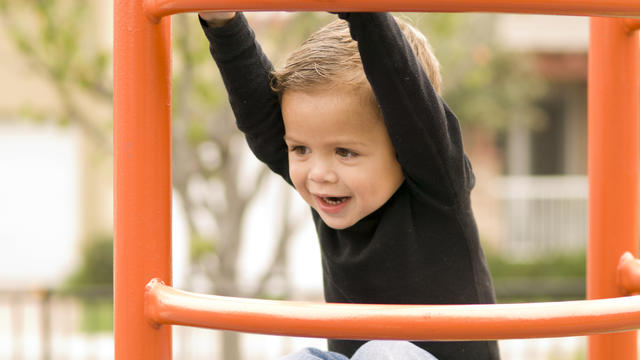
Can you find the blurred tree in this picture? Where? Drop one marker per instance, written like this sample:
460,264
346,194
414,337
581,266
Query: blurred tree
96,265
211,175
53,37
486,85
92,283
210,153
214,181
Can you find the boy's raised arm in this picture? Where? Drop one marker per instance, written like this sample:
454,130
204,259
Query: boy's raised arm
245,70
424,132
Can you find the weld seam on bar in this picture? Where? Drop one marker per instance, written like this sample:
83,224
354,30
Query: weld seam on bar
633,24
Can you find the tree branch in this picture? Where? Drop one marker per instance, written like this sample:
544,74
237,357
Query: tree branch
98,136
262,175
288,227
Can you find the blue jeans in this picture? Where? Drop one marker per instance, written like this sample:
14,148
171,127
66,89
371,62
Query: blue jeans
372,350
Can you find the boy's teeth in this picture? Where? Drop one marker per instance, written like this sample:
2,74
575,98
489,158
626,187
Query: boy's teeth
333,200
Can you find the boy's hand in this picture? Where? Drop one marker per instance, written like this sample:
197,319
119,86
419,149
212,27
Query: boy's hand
216,18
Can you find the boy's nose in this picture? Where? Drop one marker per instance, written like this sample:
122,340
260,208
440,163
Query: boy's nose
322,172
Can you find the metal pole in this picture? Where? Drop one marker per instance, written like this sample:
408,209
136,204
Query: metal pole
613,96
166,305
160,8
142,176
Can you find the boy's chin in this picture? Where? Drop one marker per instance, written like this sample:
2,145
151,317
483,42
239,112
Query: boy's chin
338,224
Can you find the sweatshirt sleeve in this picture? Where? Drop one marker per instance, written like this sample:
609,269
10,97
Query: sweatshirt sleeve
246,73
424,132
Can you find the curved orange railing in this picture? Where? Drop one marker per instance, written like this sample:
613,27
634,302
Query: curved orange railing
156,9
166,305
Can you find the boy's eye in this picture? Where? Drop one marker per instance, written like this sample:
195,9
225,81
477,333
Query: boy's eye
299,149
346,153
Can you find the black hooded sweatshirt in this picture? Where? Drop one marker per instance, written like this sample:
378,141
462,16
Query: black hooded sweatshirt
421,246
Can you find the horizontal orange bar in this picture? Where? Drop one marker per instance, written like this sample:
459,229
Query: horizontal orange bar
166,305
156,9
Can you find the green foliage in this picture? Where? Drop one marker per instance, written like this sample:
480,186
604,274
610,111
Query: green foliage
96,266
484,84
53,34
200,247
97,316
555,265
555,277
92,283
58,40
197,132
27,111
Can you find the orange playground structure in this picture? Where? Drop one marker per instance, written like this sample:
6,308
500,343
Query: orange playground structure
146,305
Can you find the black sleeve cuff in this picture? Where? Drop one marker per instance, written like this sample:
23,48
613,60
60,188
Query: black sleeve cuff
225,40
364,22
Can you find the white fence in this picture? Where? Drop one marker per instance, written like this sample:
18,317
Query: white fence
542,214
24,336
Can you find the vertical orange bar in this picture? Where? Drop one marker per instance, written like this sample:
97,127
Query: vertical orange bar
613,169
142,176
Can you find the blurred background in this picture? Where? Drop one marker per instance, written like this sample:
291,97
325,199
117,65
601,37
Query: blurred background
517,83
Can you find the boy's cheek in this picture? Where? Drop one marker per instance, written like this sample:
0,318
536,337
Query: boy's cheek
300,185
297,179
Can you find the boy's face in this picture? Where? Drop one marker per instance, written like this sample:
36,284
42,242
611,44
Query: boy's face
341,160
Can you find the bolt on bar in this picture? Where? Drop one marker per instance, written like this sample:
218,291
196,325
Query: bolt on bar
169,306
156,9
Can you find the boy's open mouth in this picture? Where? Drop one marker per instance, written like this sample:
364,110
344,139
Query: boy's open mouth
334,200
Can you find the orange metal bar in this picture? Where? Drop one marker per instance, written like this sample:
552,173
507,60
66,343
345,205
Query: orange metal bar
142,176
160,8
614,90
166,305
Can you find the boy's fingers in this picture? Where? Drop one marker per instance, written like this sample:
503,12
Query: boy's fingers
217,18
217,15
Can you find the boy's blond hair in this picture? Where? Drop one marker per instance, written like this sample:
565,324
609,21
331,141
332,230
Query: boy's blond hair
329,58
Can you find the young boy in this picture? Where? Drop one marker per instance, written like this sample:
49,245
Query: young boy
355,123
